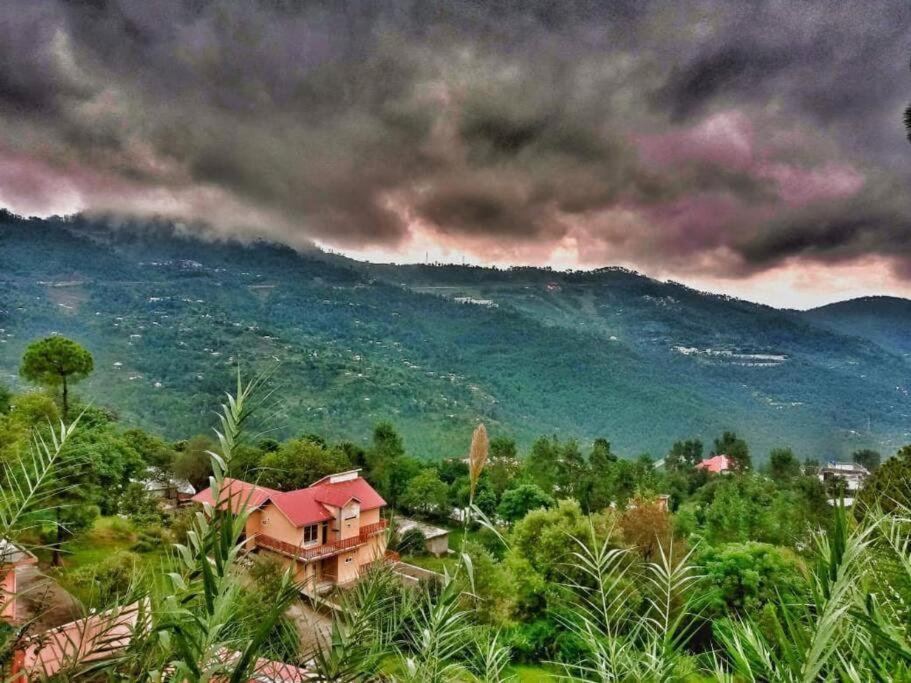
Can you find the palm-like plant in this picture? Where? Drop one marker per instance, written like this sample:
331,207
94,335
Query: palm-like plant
621,643
818,639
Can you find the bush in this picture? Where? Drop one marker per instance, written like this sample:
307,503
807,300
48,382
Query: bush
111,577
150,539
180,523
119,528
412,542
744,577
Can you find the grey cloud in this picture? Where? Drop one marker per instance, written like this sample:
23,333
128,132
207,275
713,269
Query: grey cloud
342,121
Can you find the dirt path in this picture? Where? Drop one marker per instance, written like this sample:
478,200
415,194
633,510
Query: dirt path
311,623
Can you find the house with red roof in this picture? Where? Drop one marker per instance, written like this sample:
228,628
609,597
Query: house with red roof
717,464
330,530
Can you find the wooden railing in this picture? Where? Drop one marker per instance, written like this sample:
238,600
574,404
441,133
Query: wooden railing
307,554
369,529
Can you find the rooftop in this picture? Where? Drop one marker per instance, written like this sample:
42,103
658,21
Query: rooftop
302,506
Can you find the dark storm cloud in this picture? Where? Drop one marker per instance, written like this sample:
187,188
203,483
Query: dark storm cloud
732,136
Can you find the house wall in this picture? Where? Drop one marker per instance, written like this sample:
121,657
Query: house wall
8,593
349,520
372,551
348,566
274,523
438,546
370,516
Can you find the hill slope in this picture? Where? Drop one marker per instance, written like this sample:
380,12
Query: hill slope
530,351
885,320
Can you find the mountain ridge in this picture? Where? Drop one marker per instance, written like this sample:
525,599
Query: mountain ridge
530,351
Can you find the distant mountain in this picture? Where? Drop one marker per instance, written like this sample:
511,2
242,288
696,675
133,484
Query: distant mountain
885,320
435,348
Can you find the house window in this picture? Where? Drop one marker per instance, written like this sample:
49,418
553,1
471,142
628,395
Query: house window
310,534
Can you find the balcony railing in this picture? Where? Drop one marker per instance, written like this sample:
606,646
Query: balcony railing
370,529
307,554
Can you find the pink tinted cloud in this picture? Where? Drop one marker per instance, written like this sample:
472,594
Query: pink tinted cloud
799,186
728,140
724,139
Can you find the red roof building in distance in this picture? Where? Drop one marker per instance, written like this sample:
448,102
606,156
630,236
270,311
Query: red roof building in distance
329,531
717,464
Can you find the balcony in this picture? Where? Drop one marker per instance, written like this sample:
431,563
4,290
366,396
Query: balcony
307,554
369,530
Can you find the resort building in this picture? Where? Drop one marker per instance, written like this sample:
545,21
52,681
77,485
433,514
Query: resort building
330,530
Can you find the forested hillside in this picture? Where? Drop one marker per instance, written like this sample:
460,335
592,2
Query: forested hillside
884,319
433,349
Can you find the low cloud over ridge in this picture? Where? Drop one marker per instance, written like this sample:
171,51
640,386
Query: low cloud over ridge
707,138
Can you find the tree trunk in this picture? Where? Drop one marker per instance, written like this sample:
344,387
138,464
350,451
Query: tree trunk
55,559
66,403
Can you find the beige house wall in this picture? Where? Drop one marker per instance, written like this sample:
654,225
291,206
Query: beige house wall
370,516
8,593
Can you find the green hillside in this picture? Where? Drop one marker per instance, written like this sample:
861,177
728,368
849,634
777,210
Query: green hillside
433,349
885,320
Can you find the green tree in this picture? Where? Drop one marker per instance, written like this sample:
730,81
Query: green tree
889,487
56,361
783,465
389,469
300,462
736,449
503,466
193,461
426,494
518,502
154,451
542,462
139,505
742,578
572,470
6,398
868,458
684,455
540,553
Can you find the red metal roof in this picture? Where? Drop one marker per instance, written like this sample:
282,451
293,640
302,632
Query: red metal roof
716,464
340,493
301,507
239,493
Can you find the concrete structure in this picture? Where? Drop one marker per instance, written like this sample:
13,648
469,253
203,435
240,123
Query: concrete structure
436,540
851,474
11,558
330,530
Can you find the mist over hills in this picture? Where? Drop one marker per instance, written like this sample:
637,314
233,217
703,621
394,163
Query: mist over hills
530,351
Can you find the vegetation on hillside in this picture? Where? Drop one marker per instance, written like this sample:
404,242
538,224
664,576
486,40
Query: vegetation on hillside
568,559
579,355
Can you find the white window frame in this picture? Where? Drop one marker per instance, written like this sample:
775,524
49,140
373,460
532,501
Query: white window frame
315,539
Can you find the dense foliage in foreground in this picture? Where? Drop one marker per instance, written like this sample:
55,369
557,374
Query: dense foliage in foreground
754,577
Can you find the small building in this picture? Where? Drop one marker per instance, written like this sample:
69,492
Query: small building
170,489
436,539
11,558
330,531
851,474
717,464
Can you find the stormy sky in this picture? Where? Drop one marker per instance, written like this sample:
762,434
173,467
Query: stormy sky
754,147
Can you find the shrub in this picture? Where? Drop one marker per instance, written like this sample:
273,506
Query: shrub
111,577
150,539
412,542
